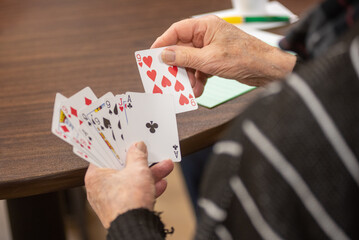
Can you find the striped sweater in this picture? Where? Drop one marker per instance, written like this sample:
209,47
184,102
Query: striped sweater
288,167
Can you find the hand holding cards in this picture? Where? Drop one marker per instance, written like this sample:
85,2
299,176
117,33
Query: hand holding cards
101,130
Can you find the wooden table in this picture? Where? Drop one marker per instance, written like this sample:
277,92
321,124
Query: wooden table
63,46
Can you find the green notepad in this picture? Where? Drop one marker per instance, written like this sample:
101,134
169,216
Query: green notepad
219,90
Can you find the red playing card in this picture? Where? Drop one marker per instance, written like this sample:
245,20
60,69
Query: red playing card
171,80
165,82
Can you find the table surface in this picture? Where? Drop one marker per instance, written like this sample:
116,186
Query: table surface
64,46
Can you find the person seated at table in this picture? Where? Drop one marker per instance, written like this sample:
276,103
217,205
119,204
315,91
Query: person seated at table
288,166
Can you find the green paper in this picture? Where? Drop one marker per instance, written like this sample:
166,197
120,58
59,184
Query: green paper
220,90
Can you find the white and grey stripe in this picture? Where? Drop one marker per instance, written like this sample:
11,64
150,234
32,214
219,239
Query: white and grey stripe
231,148
212,210
327,125
294,179
354,54
256,218
223,233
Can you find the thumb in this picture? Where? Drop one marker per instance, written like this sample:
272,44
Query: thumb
183,56
137,153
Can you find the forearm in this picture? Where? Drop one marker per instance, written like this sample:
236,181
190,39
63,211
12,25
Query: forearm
260,63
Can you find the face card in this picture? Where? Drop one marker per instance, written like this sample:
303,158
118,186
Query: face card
119,122
61,126
152,119
160,78
97,127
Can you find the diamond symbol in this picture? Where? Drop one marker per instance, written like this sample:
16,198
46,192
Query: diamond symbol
88,101
74,111
65,129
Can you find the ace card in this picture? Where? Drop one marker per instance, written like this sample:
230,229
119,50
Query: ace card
152,119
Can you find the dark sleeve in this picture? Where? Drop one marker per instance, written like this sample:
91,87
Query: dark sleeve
137,224
288,166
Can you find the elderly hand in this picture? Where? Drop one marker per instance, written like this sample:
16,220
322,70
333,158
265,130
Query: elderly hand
112,192
210,46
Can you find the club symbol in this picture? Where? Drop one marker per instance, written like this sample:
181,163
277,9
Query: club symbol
175,147
129,105
152,126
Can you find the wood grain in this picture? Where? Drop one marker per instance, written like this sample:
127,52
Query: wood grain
64,46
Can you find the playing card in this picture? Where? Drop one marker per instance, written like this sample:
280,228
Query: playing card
107,110
79,100
160,78
61,126
152,119
82,137
100,126
84,156
118,121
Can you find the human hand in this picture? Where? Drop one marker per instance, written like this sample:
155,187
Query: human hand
210,46
112,192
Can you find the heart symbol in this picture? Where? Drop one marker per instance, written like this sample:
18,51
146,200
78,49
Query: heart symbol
88,101
190,96
156,89
183,100
121,108
152,74
140,64
173,70
147,61
179,86
165,82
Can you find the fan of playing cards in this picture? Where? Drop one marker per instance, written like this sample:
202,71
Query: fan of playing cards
101,130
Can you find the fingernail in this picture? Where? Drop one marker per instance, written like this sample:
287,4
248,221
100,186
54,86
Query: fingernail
141,146
168,56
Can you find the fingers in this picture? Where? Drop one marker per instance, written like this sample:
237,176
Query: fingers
183,56
91,170
181,31
162,169
137,153
201,80
160,187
